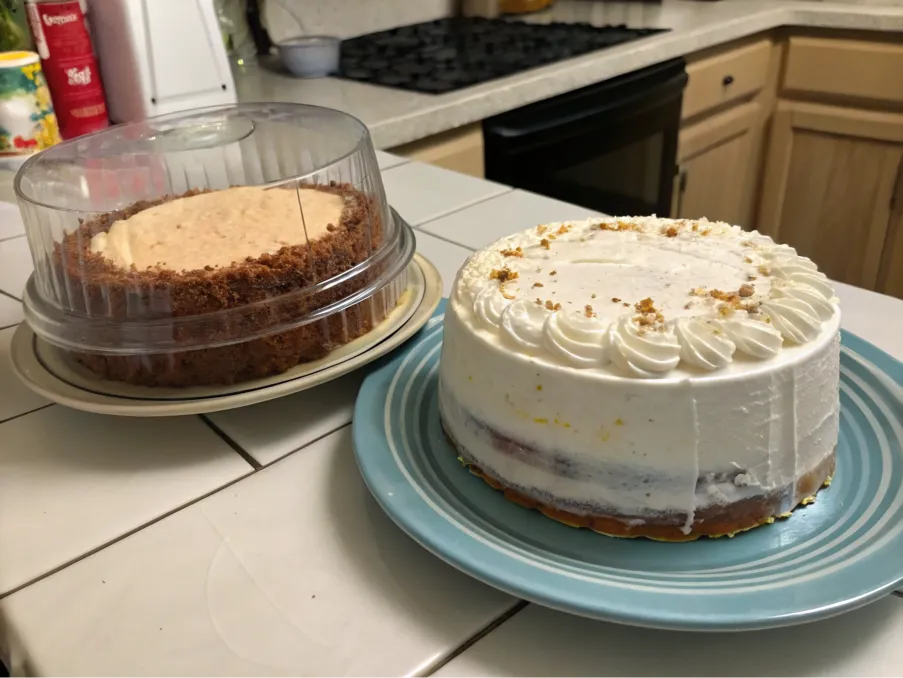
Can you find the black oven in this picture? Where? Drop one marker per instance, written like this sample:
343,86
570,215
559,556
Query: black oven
610,147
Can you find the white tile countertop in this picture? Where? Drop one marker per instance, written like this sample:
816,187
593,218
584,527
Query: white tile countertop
245,543
396,116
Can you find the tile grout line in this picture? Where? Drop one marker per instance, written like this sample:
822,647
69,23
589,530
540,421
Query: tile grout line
13,237
24,414
445,240
238,449
305,446
477,637
7,294
125,535
255,466
479,201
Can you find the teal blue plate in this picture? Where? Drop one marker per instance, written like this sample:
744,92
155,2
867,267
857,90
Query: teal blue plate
842,552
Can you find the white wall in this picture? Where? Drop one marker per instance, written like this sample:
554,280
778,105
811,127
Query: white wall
346,18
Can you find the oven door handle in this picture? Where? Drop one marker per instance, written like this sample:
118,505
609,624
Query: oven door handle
632,104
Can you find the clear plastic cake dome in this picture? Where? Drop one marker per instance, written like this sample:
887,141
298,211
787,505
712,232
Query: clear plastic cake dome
212,246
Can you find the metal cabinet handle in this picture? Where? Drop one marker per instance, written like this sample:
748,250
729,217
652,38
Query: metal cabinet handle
728,79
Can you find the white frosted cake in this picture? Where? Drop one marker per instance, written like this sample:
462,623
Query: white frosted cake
643,376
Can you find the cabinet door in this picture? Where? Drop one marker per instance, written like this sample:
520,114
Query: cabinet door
890,275
829,182
716,175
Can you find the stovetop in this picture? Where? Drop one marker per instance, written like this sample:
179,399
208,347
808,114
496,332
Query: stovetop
449,54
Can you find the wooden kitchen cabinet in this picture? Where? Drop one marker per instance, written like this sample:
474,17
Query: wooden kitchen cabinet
831,176
716,173
890,273
459,150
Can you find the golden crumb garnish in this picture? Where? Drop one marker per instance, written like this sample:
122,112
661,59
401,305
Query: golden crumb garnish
564,228
695,227
503,275
538,301
516,252
552,306
752,277
620,226
746,290
625,304
705,231
645,306
698,292
729,297
764,270
588,311
725,310
541,229
592,296
671,231
544,243
688,305
553,272
616,300
748,260
538,284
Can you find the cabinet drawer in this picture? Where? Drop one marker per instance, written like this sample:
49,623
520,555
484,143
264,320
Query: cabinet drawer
726,77
845,68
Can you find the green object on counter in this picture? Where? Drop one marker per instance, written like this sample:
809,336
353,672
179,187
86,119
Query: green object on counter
14,33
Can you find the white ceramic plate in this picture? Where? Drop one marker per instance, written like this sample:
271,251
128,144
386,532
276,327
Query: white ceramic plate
47,372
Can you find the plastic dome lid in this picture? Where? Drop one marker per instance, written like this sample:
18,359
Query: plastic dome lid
263,160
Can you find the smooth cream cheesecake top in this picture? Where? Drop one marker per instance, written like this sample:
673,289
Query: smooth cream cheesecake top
219,228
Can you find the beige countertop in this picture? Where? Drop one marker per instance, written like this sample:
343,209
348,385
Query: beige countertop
396,116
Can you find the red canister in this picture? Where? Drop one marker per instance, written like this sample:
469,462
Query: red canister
70,67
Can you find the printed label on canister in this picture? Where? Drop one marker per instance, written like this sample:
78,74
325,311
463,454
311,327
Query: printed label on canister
27,122
63,41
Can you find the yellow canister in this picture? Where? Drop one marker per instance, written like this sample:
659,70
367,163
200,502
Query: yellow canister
27,121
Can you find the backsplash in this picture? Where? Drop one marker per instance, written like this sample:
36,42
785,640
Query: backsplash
347,18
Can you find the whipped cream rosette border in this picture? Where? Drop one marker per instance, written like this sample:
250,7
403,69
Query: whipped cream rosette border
639,341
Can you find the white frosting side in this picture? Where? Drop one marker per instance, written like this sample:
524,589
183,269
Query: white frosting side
219,228
684,398
642,297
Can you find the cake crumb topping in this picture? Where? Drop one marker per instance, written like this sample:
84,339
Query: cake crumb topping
503,275
747,290
645,306
588,311
544,243
552,307
538,284
516,252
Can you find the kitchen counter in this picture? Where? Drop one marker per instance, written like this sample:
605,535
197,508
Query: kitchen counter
246,543
396,117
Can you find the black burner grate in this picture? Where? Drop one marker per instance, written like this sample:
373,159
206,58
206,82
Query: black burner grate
449,54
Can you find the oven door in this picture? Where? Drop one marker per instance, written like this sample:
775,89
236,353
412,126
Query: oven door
610,147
